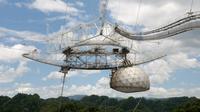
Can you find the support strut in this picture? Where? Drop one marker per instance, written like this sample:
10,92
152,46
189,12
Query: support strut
64,70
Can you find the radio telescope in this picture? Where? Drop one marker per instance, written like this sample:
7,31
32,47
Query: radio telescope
102,45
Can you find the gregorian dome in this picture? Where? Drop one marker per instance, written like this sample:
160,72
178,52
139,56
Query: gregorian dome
131,79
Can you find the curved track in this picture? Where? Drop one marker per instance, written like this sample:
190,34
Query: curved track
188,23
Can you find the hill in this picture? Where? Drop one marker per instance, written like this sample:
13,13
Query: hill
33,103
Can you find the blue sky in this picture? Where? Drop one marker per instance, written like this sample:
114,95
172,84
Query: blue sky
23,24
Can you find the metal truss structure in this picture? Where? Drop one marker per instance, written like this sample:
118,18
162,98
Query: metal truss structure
80,48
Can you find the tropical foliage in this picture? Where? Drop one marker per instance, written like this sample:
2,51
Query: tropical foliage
33,103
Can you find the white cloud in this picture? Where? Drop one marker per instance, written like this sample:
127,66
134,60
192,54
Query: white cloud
160,92
26,35
14,53
152,13
58,75
181,60
9,74
160,71
53,75
9,56
53,6
79,3
72,21
100,88
23,87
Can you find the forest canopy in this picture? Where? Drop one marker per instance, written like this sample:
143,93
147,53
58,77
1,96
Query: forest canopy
94,103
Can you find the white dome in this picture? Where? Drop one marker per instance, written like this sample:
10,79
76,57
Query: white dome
131,79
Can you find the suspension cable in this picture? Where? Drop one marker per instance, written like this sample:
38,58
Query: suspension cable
137,17
48,31
119,7
66,9
61,94
191,6
134,110
47,25
138,13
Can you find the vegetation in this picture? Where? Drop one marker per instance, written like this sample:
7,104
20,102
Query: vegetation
33,103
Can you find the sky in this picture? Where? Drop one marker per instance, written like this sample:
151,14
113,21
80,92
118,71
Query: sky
25,24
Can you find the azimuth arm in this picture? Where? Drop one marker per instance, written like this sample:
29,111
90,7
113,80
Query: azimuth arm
180,26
